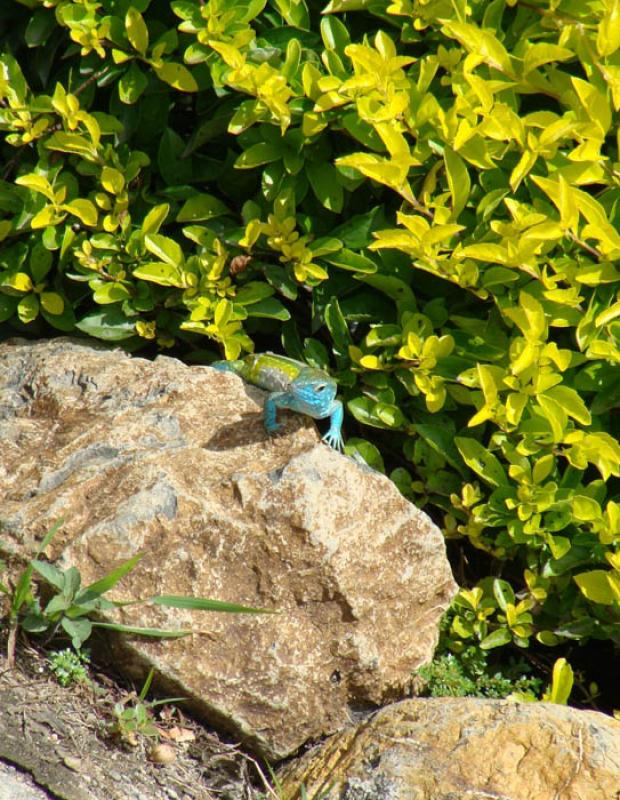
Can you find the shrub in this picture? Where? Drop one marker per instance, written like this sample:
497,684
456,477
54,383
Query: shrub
424,192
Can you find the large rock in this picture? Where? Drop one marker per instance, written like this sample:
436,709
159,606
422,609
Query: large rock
465,749
172,461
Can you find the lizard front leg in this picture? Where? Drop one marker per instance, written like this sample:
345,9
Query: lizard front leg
333,437
274,401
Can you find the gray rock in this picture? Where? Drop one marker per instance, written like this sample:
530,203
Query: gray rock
173,461
465,749
16,785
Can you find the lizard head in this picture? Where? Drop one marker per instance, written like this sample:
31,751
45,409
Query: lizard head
314,392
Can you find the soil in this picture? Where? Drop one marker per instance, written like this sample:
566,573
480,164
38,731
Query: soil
62,741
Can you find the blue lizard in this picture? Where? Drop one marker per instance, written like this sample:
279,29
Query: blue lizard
293,385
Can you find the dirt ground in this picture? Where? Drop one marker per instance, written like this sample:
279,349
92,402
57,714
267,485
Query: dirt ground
62,739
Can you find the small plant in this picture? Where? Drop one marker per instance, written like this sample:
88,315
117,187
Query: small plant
22,594
69,666
71,605
133,714
469,674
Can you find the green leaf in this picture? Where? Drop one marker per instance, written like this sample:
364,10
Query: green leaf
441,439
354,262
39,28
294,12
132,84
392,287
52,574
481,461
504,593
363,409
498,638
96,589
8,306
204,604
356,232
40,262
160,273
270,308
323,245
257,155
334,34
324,181
165,249
390,415
253,292
338,328
78,629
111,325
338,6
200,207
156,633
47,539
106,293
367,451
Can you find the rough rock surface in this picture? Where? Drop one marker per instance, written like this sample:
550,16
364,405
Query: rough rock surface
466,749
172,461
15,785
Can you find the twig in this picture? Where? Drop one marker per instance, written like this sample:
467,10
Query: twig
588,247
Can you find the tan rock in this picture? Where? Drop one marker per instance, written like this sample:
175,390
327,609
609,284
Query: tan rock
172,461
465,749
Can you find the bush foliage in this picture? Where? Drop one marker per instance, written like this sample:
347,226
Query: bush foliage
422,195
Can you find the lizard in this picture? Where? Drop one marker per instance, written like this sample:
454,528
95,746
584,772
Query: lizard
293,385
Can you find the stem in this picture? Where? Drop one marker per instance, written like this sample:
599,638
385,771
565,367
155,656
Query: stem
587,247
10,646
95,76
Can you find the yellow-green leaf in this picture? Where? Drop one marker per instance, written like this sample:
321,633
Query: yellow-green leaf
159,272
52,303
155,218
137,32
177,76
495,253
571,402
561,683
46,216
38,184
458,181
585,509
28,308
608,36
19,281
595,586
112,180
481,461
84,210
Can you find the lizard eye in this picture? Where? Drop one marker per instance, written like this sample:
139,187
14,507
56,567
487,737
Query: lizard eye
320,388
